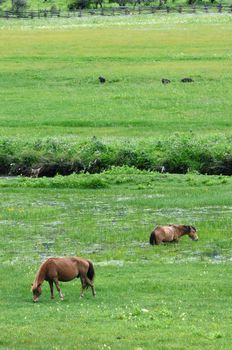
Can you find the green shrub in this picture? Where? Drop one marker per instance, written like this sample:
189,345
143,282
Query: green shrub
178,154
185,153
96,156
19,5
79,4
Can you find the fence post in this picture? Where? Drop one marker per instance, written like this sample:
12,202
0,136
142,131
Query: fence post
180,9
167,9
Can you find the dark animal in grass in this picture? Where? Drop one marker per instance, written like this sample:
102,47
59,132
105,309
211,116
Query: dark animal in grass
172,233
102,80
187,80
166,81
66,269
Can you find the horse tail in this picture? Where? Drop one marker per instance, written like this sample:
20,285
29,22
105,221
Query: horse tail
153,238
91,272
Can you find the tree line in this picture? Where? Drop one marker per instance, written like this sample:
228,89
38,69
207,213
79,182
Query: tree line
72,5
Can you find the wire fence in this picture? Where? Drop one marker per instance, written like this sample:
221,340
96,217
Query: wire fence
118,11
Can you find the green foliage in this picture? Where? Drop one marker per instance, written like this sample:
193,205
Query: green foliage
186,153
79,4
178,154
83,4
19,5
95,155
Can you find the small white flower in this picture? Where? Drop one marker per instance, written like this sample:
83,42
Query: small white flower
144,310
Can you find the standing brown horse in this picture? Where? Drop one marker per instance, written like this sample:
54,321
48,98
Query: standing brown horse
54,270
172,233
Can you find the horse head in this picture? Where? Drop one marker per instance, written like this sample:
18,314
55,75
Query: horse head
191,232
36,291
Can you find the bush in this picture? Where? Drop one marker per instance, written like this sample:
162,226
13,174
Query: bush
96,156
223,166
5,164
19,5
178,154
79,4
183,154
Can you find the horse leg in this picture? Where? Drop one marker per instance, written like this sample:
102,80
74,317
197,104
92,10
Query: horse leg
51,289
93,290
90,283
58,288
83,286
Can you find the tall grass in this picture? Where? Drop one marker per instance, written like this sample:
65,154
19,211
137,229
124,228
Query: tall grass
176,154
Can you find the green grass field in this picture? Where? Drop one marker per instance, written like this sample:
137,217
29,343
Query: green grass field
49,77
175,296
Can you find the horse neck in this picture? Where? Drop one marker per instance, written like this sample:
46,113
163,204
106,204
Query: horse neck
182,232
40,275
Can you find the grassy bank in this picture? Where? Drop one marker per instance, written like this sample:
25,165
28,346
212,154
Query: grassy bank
176,154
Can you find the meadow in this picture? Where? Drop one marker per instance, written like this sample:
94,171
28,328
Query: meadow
51,100
49,73
172,296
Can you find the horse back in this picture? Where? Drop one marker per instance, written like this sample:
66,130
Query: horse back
165,233
64,269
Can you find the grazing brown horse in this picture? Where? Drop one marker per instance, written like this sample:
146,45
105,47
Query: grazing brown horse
66,269
172,233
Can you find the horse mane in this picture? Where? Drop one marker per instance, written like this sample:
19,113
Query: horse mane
186,229
38,280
